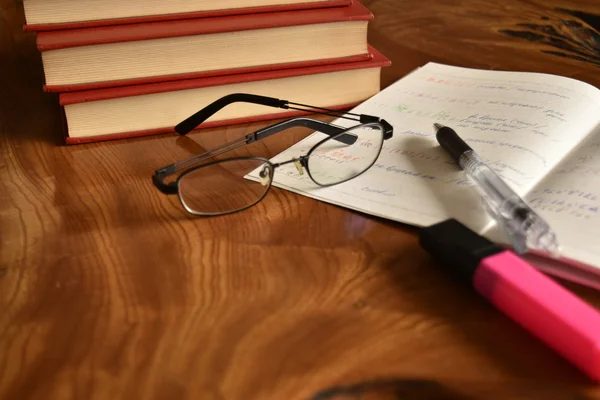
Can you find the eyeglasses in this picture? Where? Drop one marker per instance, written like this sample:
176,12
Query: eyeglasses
229,185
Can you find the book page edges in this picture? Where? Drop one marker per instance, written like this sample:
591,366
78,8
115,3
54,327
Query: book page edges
40,27
52,40
376,60
212,124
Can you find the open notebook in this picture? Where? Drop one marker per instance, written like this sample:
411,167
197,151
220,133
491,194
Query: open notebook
541,133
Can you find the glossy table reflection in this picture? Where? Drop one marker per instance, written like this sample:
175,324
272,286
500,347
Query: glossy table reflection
109,290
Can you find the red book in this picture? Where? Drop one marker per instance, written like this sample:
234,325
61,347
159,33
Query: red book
82,59
156,108
44,15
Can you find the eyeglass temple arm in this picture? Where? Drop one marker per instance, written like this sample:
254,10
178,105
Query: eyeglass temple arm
191,122
328,129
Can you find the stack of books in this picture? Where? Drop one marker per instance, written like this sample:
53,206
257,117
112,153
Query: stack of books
128,69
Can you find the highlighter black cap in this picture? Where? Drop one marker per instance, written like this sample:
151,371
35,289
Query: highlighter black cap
451,142
457,247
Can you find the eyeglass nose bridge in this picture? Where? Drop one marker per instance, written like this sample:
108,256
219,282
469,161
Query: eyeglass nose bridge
301,164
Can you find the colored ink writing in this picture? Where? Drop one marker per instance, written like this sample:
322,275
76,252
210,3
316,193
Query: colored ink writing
383,192
573,208
450,82
567,192
402,171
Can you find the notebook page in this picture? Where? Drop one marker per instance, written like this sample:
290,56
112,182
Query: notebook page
521,124
569,199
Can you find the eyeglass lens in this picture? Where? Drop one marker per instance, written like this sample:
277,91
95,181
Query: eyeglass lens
333,161
222,187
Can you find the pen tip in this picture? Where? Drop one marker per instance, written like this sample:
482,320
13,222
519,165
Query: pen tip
438,126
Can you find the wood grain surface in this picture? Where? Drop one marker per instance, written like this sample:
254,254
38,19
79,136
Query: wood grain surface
108,290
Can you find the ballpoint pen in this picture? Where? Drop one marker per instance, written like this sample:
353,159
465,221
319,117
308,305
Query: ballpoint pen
523,226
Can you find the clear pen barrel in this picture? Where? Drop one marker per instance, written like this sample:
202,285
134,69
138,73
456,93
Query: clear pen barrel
523,226
498,194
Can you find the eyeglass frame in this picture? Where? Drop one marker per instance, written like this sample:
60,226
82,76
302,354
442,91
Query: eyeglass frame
335,132
271,169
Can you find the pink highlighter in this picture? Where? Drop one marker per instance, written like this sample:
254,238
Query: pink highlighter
539,304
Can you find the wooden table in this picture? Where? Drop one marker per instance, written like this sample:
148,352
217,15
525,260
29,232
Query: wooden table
109,291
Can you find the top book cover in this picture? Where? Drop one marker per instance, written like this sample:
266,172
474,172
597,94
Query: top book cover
44,15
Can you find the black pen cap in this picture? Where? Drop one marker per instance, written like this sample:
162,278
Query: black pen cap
451,142
457,247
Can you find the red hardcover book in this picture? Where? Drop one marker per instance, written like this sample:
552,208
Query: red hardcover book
83,59
149,109
43,15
